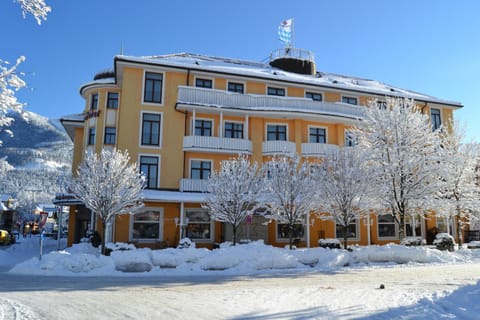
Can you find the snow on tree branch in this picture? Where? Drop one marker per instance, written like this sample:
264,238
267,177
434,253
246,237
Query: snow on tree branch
234,191
345,189
109,185
459,196
291,192
407,155
37,8
10,83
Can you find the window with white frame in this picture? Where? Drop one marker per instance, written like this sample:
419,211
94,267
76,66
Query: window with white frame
349,139
204,83
149,166
236,87
351,231
411,223
436,118
315,96
442,224
283,231
94,101
274,91
110,135
386,226
112,100
317,135
233,130
151,125
349,100
147,224
200,169
276,132
153,87
91,136
203,127
200,225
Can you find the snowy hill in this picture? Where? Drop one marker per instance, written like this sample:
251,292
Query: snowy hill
41,153
37,142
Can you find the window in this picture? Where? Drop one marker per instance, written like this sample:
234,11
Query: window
409,226
272,91
436,118
283,233
276,132
235,87
442,224
314,96
382,105
199,225
203,128
386,226
203,83
151,129
147,224
233,130
149,167
91,136
349,139
317,135
351,233
112,100
350,100
94,101
153,87
110,135
200,169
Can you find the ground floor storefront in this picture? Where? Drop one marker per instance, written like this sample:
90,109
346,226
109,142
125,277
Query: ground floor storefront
168,217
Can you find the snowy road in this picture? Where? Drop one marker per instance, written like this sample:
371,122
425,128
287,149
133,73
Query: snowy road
350,293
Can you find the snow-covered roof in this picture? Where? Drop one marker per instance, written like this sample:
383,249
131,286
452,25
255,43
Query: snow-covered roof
69,122
263,70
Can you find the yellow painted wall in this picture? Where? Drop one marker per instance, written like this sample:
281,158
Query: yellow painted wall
175,163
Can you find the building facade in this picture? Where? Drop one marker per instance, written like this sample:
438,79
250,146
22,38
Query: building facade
180,115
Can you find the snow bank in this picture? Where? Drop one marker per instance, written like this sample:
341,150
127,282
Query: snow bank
251,258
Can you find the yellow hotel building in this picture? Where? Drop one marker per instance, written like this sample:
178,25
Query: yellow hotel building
180,115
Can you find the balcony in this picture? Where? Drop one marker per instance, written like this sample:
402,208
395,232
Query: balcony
278,147
216,144
315,149
195,185
218,99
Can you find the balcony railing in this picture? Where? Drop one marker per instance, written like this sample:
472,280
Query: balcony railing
196,185
217,144
313,149
278,147
225,99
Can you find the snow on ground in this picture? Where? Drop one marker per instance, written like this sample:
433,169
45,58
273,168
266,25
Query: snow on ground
244,259
248,281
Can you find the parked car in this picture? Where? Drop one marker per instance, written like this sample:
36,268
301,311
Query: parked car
4,237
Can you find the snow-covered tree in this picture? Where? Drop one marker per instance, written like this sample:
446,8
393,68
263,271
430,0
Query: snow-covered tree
344,187
37,8
109,185
459,199
233,191
290,191
406,155
10,79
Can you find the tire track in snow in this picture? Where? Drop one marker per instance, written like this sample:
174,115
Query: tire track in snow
12,310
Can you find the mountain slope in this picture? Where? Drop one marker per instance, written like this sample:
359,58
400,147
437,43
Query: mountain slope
37,142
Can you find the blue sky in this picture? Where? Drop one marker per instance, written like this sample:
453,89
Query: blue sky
430,46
